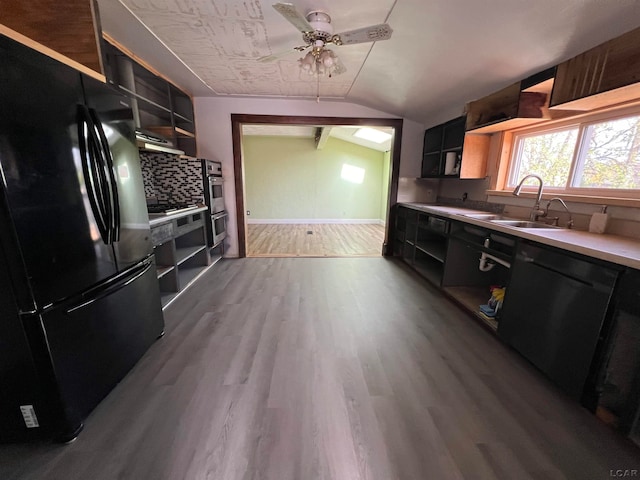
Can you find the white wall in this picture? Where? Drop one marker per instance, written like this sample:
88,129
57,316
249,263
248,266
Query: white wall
213,127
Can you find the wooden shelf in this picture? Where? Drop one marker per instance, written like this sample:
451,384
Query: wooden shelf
471,298
185,253
162,270
184,133
436,250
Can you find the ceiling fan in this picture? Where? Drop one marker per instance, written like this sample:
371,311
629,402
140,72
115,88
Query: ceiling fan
317,33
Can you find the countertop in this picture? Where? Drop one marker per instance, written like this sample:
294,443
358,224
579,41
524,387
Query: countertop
159,220
611,248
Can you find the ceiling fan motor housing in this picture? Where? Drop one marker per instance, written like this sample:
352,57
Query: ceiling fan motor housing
322,29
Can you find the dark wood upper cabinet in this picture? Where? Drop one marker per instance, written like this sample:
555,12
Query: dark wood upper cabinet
606,75
71,29
520,104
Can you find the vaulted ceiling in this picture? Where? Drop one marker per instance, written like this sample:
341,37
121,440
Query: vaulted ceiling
442,54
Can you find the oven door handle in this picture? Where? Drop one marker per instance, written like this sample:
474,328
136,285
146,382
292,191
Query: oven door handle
218,216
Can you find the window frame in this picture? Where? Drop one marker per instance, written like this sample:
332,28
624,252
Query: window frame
582,122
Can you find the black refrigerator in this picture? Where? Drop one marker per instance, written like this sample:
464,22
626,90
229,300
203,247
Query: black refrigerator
79,297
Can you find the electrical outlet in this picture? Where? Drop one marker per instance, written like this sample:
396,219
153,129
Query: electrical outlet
248,212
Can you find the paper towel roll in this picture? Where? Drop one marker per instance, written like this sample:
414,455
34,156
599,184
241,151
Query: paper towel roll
450,163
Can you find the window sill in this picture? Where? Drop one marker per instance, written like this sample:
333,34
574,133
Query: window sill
597,200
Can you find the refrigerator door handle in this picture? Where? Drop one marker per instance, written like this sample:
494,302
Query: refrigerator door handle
113,288
87,154
107,159
103,174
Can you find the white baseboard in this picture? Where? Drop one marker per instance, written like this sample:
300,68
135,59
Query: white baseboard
315,221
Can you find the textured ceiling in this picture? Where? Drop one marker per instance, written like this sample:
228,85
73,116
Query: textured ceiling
220,41
443,53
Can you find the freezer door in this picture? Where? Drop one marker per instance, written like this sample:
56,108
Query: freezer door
26,411
96,341
115,117
49,221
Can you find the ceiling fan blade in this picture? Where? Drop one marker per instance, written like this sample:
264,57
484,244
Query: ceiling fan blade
289,12
372,33
277,55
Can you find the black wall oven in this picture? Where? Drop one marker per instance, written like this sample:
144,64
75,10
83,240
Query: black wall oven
214,198
215,195
219,227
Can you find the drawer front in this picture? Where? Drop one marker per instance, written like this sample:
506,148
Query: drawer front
188,222
438,225
161,233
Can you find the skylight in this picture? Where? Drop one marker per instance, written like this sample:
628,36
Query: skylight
373,135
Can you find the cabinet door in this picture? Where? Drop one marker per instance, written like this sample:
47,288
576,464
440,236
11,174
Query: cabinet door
602,76
431,152
453,134
475,153
70,29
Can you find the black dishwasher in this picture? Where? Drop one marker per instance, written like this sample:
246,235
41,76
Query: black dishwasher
554,311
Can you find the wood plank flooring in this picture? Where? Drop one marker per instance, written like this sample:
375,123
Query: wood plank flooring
325,240
338,368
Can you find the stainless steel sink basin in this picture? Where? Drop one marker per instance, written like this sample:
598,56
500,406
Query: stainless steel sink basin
523,224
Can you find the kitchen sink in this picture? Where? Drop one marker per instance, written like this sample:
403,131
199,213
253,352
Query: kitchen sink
523,224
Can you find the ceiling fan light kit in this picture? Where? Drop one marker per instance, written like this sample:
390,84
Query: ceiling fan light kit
317,33
320,61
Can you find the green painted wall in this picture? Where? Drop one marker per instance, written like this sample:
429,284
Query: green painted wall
287,178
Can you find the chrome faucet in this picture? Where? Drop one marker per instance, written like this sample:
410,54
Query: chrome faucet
536,211
561,202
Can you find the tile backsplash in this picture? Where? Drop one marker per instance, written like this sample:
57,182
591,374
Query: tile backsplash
171,179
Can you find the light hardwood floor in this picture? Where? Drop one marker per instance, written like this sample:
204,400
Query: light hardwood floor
339,368
325,240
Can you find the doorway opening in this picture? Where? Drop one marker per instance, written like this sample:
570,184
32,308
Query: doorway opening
292,235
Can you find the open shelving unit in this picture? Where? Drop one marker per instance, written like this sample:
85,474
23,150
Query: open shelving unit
470,151
180,246
158,105
421,240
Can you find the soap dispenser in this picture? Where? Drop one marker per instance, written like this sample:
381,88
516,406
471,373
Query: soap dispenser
599,220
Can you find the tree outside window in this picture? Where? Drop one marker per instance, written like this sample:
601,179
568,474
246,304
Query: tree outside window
594,156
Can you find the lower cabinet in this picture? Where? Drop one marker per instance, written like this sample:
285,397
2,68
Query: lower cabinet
575,318
421,240
477,269
180,246
613,390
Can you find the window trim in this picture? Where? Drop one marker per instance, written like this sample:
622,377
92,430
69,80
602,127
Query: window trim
581,120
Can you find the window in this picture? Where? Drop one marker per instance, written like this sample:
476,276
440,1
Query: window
581,158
